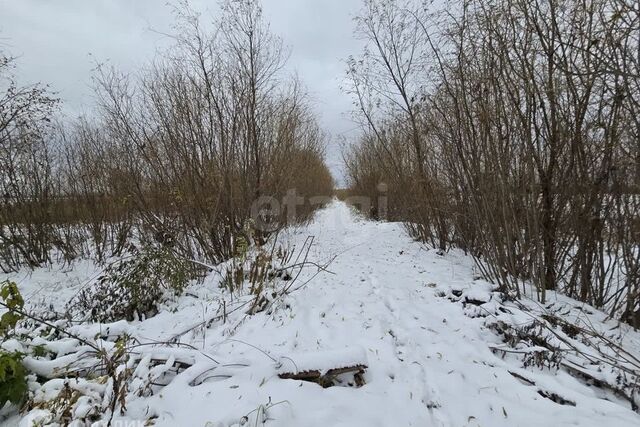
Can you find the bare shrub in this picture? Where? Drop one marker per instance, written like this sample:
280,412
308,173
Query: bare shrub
525,118
213,129
28,183
176,155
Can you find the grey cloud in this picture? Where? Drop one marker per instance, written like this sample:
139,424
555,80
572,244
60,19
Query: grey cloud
59,42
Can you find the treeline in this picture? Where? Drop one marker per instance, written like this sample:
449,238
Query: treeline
176,154
510,129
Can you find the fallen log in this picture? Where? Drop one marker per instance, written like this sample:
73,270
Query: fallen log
329,378
327,368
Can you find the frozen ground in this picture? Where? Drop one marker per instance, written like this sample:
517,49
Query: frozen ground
382,303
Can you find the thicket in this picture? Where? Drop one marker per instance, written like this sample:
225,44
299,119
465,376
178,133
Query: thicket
181,155
509,129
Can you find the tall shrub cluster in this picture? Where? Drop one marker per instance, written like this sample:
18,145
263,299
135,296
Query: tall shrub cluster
514,124
179,154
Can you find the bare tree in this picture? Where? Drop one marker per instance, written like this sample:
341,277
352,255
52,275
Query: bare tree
529,115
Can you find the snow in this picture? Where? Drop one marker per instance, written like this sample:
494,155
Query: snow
384,302
322,361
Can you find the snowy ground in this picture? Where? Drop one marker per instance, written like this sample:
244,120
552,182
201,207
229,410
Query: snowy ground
429,362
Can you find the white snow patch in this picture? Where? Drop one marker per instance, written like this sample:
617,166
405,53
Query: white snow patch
429,364
322,361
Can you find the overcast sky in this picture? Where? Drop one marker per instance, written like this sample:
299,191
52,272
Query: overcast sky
60,41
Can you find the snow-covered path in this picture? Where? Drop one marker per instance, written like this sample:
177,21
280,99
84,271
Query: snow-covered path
428,363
